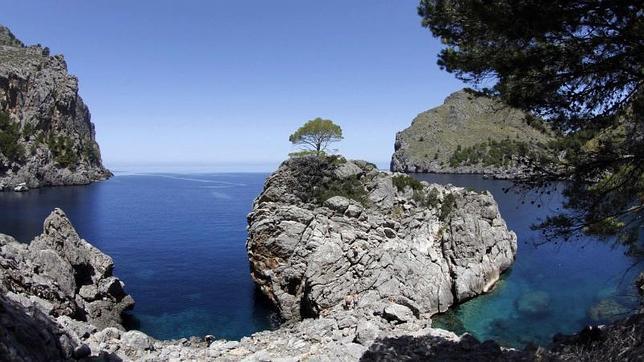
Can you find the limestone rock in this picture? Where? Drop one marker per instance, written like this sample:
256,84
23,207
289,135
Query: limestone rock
318,242
64,275
56,137
398,313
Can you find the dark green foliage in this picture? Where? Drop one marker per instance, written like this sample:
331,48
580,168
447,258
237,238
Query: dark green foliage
350,188
27,131
315,181
576,64
427,199
402,181
448,205
63,150
90,152
316,135
491,153
9,139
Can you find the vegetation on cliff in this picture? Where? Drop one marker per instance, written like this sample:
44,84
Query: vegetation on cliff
10,134
469,133
46,135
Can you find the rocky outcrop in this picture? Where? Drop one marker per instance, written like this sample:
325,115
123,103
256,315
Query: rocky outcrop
63,275
60,301
330,234
45,315
469,133
46,136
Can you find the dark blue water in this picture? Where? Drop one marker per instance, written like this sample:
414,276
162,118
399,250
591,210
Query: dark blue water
552,287
177,242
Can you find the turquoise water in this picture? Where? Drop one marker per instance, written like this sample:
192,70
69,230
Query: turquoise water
178,242
553,287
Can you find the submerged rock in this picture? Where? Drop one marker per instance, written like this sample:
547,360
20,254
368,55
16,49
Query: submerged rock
322,239
607,310
533,303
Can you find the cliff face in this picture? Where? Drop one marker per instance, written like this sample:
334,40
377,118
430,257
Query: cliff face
46,136
328,234
469,133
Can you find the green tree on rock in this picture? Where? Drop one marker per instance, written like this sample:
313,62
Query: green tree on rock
316,135
576,64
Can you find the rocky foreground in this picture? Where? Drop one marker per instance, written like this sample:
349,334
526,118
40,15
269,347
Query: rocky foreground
356,277
46,133
470,133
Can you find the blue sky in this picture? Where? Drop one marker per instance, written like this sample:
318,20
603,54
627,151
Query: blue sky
211,82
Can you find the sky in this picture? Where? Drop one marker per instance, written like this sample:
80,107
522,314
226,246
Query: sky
204,82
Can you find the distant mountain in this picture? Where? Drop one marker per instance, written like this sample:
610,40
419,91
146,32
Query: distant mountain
469,133
46,136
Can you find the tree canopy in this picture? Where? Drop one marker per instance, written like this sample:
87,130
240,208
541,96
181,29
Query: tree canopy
577,64
316,135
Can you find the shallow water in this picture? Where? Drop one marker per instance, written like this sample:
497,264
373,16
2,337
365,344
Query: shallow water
551,287
178,243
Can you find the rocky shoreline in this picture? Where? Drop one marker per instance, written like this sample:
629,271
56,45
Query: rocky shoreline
60,301
61,288
355,277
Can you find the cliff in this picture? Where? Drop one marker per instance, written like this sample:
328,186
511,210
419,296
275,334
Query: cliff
46,133
469,133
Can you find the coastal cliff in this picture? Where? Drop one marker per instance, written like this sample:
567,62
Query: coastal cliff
59,301
46,133
469,133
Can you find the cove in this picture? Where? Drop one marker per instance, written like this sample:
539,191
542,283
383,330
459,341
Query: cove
556,287
178,242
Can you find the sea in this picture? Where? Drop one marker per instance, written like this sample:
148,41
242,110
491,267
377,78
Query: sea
178,242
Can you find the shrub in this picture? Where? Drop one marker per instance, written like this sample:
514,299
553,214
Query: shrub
402,181
350,188
9,139
449,203
63,151
315,181
491,153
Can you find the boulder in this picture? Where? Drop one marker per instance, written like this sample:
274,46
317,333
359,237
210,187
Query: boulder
398,313
65,275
